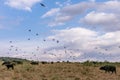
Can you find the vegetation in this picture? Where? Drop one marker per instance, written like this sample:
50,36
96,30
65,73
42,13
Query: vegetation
12,59
88,70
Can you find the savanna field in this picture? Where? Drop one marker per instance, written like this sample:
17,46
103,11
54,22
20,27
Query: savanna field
79,39
58,71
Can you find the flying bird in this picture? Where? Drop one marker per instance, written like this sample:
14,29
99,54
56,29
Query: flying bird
106,49
11,46
16,49
44,40
64,47
37,34
29,30
118,46
28,38
10,41
53,39
57,41
42,5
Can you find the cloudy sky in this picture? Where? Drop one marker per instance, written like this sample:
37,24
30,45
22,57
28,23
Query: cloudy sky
74,30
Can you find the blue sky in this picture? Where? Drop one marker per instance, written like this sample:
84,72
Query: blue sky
84,29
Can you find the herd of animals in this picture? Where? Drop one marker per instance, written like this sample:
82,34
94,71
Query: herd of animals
106,68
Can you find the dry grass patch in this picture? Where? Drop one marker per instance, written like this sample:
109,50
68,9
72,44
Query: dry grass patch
56,71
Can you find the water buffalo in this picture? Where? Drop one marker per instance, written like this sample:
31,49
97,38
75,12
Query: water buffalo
44,62
108,68
8,65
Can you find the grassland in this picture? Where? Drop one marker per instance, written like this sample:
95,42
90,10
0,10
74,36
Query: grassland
58,71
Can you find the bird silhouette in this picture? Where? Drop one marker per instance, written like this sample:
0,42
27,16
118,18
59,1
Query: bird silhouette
57,41
118,46
11,46
42,5
28,38
10,41
44,40
53,39
29,30
37,34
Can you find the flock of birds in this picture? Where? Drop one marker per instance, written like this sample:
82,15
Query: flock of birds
65,48
17,50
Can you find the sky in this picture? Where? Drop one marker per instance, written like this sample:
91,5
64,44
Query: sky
61,30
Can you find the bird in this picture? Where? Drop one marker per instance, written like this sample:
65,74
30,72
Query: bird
11,46
106,49
28,38
96,47
29,30
16,49
118,46
37,46
44,40
53,39
10,41
57,41
64,47
37,34
42,5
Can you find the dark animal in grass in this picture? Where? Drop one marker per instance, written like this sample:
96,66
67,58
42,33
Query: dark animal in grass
52,62
94,62
8,65
44,62
108,68
34,63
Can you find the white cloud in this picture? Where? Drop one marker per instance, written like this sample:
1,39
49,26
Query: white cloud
22,4
67,2
90,42
67,12
77,9
60,20
69,34
59,4
100,18
104,15
108,21
112,5
52,24
81,44
52,12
